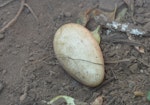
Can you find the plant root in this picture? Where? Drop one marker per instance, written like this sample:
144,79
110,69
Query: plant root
12,21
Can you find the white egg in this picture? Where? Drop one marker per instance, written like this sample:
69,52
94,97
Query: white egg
79,54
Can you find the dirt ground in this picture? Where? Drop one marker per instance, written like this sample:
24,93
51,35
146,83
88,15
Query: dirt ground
30,72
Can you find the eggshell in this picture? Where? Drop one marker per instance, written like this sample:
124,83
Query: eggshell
79,54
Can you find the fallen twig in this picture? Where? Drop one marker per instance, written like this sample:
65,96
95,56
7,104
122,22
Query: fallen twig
25,4
17,15
6,3
15,18
120,61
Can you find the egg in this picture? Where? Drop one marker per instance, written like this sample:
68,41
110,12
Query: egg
79,54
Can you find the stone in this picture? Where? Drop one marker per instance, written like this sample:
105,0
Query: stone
67,14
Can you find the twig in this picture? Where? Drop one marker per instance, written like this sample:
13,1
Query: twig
17,15
120,61
6,3
25,4
15,18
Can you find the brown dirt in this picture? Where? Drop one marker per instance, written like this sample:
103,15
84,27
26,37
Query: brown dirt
30,73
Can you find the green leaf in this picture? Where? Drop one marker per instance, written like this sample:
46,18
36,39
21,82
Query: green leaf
96,34
69,100
148,96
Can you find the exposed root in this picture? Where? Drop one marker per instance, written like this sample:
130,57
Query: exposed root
6,3
120,61
11,22
25,4
15,18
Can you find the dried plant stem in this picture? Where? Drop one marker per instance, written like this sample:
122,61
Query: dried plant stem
6,3
11,22
120,61
25,4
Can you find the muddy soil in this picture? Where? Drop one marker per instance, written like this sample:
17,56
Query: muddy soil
30,72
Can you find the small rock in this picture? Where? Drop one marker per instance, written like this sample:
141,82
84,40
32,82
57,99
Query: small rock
2,36
23,97
31,59
141,71
67,14
15,52
1,86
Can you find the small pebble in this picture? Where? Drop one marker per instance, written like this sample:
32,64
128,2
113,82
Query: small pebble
67,14
31,59
15,52
142,71
2,36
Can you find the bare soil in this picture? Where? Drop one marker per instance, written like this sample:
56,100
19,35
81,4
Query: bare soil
30,73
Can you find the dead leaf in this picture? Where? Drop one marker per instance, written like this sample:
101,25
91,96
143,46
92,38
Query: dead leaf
138,93
98,101
140,49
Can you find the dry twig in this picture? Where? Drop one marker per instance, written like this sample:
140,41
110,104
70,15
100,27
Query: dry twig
120,61
6,3
17,15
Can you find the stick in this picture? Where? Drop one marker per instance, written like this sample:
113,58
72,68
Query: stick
120,61
6,3
15,18
25,4
17,15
